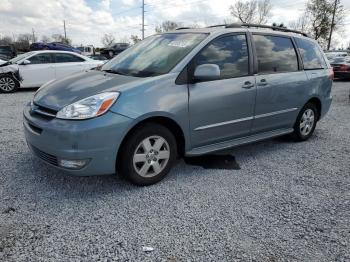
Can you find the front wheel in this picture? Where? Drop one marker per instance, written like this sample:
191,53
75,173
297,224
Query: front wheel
306,122
8,84
148,154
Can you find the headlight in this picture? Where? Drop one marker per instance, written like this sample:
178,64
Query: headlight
89,107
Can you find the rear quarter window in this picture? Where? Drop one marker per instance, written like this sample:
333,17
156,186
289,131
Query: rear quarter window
311,54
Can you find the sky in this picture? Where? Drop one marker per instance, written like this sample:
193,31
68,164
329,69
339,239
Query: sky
88,20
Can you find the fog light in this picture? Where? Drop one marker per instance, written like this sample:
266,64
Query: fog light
73,164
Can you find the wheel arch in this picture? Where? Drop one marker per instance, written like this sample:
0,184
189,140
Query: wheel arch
317,102
167,122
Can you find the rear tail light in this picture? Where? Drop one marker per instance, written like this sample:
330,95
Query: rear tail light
344,68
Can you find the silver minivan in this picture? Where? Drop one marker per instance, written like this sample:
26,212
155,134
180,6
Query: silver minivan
183,93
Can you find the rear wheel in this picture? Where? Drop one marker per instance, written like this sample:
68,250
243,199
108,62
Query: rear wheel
8,84
148,154
306,122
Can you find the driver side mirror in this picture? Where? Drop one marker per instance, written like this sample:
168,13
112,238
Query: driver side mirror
207,72
26,62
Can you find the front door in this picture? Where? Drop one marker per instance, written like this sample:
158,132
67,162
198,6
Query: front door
40,70
280,83
222,109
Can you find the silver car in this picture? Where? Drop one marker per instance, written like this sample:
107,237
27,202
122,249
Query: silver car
188,92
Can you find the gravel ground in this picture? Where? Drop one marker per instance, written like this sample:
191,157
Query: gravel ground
289,201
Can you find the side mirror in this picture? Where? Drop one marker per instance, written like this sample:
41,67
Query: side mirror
26,62
207,72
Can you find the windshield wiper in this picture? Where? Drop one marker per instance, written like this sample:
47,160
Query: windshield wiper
114,71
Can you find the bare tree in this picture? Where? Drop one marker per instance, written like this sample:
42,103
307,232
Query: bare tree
253,11
107,39
60,38
135,39
23,42
167,26
45,39
6,40
301,23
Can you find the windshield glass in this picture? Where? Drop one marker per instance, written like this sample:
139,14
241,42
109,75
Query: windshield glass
6,49
20,57
156,55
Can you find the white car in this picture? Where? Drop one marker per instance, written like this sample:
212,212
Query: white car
2,61
33,69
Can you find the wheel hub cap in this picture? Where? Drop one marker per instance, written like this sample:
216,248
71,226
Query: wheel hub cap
151,156
307,122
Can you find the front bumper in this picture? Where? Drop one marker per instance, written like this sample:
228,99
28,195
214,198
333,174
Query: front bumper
96,139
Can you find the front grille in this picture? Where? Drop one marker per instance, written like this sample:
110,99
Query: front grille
44,156
44,111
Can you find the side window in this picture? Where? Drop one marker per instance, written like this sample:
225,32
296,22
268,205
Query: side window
41,59
275,54
67,58
230,53
311,54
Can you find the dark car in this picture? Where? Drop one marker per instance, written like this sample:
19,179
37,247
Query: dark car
341,67
53,46
114,49
7,52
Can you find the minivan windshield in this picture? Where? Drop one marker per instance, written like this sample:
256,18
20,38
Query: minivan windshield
156,55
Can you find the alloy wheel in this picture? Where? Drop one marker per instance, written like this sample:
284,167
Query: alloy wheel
307,122
151,156
7,84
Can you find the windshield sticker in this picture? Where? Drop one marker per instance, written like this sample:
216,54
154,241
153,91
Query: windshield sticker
178,43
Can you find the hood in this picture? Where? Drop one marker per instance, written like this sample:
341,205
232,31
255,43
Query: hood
58,94
6,67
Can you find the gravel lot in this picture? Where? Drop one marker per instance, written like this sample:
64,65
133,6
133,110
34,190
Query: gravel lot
289,201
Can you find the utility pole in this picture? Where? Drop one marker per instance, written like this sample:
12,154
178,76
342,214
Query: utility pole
143,19
64,28
33,35
332,25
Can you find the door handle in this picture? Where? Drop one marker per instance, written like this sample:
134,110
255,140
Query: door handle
263,82
247,85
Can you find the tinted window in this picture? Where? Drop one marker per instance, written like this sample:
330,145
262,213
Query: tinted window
67,58
230,53
311,54
41,59
275,54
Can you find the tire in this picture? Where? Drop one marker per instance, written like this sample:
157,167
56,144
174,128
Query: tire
306,122
8,84
148,154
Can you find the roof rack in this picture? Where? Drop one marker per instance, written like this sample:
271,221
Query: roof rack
277,28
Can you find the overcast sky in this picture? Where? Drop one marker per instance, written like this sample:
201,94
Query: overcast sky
88,20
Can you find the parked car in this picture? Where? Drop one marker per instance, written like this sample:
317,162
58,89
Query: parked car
98,57
7,52
188,92
332,55
53,46
341,67
35,68
114,49
86,50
